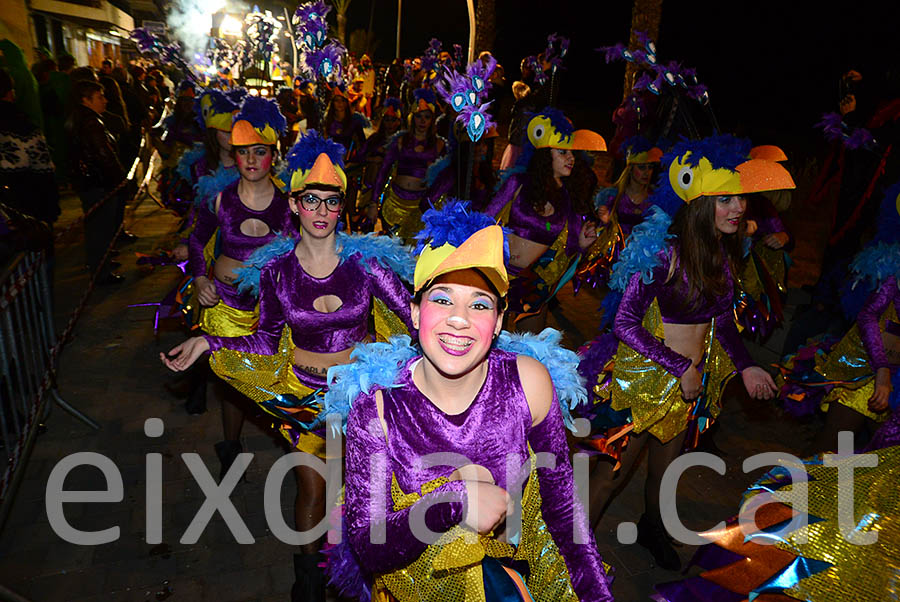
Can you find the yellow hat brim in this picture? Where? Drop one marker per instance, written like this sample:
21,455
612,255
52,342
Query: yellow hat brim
482,251
244,134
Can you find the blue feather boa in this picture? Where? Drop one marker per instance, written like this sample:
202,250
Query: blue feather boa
386,250
377,365
188,159
640,255
453,224
209,186
869,269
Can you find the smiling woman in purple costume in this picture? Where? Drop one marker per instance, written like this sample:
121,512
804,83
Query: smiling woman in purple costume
484,400
316,294
412,151
545,203
678,341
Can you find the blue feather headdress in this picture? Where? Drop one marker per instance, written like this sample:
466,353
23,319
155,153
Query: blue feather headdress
424,95
454,223
261,112
303,154
217,103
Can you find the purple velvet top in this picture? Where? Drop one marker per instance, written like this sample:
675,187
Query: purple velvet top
638,296
232,212
525,222
286,295
868,319
496,426
628,213
409,161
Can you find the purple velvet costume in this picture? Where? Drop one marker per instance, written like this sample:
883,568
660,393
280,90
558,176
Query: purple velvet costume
286,295
497,424
628,326
525,222
409,163
628,213
868,319
235,244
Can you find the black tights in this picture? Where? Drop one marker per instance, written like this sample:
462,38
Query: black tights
605,482
839,418
309,506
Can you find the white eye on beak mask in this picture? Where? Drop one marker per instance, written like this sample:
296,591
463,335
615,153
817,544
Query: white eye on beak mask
457,322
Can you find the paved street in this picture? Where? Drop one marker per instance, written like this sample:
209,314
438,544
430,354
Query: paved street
110,370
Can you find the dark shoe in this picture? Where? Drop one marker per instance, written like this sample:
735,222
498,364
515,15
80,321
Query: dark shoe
110,278
228,452
310,579
652,535
127,237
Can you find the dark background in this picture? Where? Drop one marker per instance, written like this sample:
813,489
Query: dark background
772,68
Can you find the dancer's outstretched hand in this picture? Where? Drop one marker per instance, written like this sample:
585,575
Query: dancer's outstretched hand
182,357
879,400
759,383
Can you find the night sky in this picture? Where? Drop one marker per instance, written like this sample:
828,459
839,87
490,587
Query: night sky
772,68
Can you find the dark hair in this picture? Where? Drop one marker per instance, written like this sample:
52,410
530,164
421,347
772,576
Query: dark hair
66,61
541,186
347,122
107,62
6,82
83,74
701,253
211,145
84,88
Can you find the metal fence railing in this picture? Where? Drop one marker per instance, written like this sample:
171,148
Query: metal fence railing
29,350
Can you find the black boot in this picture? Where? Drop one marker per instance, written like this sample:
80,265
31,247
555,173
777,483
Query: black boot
309,584
652,535
228,452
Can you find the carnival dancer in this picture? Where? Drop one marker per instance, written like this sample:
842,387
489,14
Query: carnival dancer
247,214
344,126
678,341
484,399
619,208
762,284
854,380
316,294
544,205
373,153
412,151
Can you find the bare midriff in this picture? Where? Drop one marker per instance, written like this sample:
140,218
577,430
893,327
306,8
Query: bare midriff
224,267
686,339
317,364
524,252
409,183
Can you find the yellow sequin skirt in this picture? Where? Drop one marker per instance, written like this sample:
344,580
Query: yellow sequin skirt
847,365
654,395
222,320
400,212
450,569
271,382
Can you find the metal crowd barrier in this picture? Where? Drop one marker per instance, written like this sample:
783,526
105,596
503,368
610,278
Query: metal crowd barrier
28,359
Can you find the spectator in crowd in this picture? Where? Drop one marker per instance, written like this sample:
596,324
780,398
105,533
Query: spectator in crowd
96,174
27,97
26,171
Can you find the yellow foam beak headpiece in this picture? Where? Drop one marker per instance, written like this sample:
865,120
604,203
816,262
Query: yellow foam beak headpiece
542,134
482,251
323,172
244,134
211,119
754,175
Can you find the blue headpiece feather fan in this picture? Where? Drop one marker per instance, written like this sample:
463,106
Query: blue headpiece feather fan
307,149
454,223
261,112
